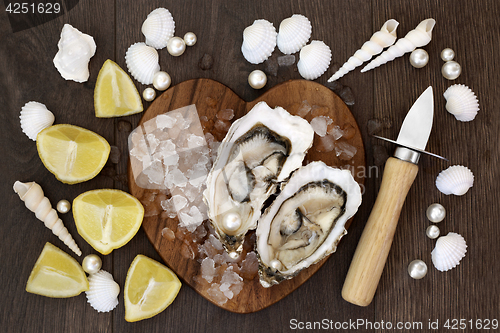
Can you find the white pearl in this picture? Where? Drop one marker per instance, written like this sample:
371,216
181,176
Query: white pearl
231,222
432,231
447,54
436,213
257,79
276,264
149,94
161,81
92,263
419,58
451,70
234,255
176,46
417,269
190,38
63,206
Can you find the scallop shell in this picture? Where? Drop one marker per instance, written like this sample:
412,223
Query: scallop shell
456,180
158,28
34,118
142,62
294,33
75,51
461,102
259,41
448,252
314,60
103,291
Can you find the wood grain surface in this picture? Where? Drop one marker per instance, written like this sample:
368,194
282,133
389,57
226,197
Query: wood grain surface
471,291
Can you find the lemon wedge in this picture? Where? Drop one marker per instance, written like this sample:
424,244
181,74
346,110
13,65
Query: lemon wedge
115,94
150,288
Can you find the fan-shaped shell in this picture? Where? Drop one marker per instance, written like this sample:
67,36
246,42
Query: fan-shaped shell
259,41
461,102
294,33
142,62
456,180
34,118
103,291
448,252
158,28
314,60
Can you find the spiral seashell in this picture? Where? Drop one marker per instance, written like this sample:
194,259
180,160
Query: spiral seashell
75,51
383,38
142,62
418,37
455,180
34,118
259,41
158,28
32,195
448,252
103,291
461,102
314,60
294,33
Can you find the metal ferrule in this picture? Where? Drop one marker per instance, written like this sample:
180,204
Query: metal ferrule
407,155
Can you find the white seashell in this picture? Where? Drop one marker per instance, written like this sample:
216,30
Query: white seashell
142,62
461,102
75,51
259,41
448,252
32,195
314,60
418,37
103,291
294,33
158,28
456,180
34,118
383,38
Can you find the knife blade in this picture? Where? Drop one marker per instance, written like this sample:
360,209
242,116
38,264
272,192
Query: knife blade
399,173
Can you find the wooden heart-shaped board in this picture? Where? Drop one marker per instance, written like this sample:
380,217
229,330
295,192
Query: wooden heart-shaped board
210,97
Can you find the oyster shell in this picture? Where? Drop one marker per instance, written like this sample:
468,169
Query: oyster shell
306,221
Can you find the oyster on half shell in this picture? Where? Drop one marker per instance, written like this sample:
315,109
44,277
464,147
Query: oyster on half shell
260,150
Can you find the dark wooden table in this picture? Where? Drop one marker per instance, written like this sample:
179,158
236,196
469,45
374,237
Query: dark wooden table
470,292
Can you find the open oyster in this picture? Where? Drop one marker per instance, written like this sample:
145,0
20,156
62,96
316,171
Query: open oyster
260,149
306,221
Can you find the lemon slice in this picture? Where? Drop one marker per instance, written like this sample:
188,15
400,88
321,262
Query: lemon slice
73,154
56,274
149,288
115,94
107,219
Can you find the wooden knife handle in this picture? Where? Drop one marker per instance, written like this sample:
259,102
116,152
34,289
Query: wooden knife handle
373,247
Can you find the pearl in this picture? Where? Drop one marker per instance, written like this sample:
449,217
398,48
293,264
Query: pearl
447,54
63,206
190,38
149,94
417,269
436,213
161,81
234,255
176,46
419,58
276,264
92,263
231,222
257,79
451,70
432,231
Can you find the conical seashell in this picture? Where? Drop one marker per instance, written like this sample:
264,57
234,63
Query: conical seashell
294,33
34,118
158,28
103,291
448,252
32,195
456,180
461,102
142,62
418,37
75,51
259,41
314,60
383,38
